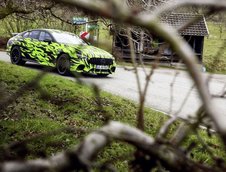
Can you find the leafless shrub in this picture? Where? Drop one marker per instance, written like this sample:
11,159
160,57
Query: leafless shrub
160,152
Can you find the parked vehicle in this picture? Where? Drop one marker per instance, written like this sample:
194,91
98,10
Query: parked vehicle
63,50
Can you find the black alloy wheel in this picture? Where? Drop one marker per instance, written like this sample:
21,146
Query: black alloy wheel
63,65
16,57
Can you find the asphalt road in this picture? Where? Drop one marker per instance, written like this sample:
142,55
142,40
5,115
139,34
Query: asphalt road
167,91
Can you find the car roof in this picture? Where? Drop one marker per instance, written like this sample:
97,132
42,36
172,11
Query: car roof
49,30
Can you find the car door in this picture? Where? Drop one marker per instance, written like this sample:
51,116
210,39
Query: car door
45,44
38,52
31,44
24,45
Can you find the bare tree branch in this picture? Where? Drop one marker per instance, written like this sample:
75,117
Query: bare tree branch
183,50
28,6
140,117
81,156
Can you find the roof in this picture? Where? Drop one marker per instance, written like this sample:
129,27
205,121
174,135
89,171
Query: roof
179,20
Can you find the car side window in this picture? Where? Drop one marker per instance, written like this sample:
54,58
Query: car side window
45,36
42,36
34,34
26,35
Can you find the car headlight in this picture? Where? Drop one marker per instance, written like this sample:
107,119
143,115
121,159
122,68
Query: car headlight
79,54
82,57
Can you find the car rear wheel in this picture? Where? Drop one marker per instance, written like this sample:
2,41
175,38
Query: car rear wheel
63,64
16,57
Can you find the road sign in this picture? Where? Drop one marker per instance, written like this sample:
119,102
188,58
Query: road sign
93,26
79,20
84,35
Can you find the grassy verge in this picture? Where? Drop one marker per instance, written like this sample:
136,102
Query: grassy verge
66,103
214,49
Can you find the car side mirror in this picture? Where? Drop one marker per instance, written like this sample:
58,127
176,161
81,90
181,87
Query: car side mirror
49,41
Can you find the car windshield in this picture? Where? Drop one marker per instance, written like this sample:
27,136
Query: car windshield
68,38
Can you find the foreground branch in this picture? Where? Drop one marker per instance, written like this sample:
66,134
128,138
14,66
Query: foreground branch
81,156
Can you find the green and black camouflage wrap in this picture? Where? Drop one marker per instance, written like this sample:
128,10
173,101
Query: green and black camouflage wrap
83,58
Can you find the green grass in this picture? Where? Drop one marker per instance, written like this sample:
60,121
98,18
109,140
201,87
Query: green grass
66,104
105,39
69,104
214,49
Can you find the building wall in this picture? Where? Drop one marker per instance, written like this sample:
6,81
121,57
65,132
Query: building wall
196,43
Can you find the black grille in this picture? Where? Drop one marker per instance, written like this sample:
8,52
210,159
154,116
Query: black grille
101,61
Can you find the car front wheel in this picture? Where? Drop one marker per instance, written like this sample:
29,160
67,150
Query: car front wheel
16,57
63,64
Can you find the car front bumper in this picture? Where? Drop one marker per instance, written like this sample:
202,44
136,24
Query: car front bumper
84,66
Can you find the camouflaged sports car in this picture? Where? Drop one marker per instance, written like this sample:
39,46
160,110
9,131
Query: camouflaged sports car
63,50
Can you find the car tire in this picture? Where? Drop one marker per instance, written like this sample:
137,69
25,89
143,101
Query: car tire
16,57
63,65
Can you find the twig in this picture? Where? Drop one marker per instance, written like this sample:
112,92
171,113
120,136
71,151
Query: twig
140,116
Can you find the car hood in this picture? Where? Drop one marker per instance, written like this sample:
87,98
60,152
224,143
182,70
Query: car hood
91,51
